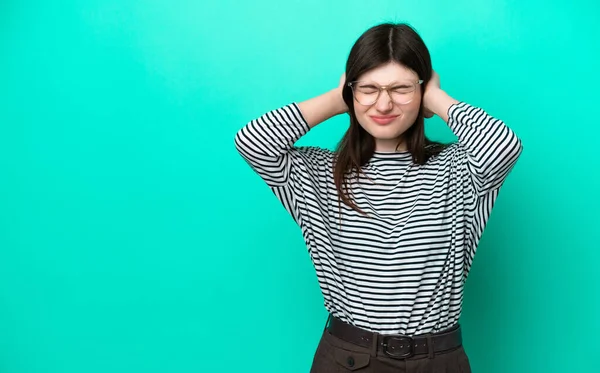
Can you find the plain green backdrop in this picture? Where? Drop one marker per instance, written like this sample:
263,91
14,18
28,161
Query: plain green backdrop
133,238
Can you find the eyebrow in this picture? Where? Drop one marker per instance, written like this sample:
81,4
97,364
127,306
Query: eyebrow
388,84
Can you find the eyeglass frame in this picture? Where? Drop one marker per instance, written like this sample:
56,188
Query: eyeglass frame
383,88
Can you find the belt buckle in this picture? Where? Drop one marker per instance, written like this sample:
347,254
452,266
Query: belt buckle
406,343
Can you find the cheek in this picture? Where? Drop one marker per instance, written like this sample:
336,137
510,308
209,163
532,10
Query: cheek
360,112
412,109
411,112
415,105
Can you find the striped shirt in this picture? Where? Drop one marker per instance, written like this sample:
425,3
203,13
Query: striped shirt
401,269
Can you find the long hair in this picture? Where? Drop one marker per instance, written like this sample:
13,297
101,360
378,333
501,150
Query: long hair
378,46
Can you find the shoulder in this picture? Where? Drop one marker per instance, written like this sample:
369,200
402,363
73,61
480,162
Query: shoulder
314,154
449,153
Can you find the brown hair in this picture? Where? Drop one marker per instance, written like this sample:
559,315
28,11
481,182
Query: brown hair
378,46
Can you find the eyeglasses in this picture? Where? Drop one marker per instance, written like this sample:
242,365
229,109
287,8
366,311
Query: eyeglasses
401,93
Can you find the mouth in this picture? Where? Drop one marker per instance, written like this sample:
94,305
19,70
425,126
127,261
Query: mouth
383,119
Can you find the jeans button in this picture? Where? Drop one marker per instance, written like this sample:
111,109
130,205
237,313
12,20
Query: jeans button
350,361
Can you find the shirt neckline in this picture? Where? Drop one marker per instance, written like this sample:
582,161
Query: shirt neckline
391,155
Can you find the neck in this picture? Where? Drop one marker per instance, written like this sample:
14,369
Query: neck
390,145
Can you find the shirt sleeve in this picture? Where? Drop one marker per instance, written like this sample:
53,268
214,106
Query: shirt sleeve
266,143
296,175
492,148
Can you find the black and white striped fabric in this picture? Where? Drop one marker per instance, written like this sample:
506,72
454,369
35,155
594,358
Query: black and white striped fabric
401,269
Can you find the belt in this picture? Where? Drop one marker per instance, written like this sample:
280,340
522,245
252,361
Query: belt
397,346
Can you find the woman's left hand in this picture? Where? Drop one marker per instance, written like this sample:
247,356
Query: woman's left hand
435,100
433,86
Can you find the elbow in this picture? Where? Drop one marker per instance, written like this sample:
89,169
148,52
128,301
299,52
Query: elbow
517,147
240,141
237,141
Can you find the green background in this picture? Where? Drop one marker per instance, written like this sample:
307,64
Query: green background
133,238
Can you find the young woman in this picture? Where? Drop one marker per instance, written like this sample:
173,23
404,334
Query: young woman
391,219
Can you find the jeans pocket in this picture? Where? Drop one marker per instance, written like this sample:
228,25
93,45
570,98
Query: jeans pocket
351,360
337,356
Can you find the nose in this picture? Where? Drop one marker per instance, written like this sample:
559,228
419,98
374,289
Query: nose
384,102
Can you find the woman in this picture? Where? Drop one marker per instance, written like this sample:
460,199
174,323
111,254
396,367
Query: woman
391,219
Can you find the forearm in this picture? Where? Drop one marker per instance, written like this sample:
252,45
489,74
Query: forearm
265,142
320,108
441,103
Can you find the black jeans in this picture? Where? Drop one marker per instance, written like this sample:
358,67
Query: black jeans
334,355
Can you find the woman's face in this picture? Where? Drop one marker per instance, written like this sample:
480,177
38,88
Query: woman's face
387,114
